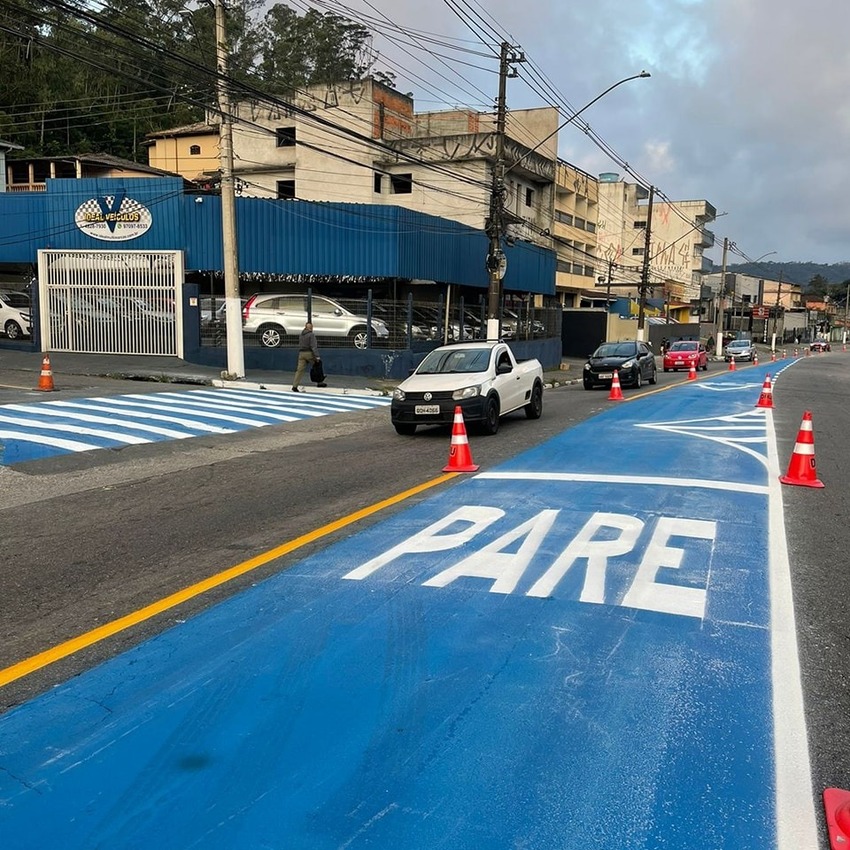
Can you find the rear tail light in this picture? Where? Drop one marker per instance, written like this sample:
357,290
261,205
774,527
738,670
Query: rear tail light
246,309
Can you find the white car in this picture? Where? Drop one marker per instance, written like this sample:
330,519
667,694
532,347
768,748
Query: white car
272,317
482,378
15,314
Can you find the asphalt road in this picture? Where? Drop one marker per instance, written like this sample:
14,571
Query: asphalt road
87,539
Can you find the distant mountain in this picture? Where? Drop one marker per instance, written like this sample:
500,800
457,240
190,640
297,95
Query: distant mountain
800,273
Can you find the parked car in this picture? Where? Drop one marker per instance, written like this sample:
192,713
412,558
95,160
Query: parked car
513,327
482,378
272,317
15,314
633,360
820,345
207,316
685,353
740,349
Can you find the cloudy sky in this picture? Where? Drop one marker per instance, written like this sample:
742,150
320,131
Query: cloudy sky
748,106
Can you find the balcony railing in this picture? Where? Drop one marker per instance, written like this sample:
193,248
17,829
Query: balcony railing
26,187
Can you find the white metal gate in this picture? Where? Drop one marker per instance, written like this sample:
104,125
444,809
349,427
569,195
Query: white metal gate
111,302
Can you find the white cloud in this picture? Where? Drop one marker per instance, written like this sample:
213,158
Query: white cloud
746,106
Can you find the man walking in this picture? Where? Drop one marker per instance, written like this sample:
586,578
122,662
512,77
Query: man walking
308,352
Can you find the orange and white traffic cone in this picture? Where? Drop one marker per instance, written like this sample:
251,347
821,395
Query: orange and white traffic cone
802,469
692,373
784,353
732,364
795,353
766,397
836,804
460,457
755,358
808,352
45,379
773,357
616,393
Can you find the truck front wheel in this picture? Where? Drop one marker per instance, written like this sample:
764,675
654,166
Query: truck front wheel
490,423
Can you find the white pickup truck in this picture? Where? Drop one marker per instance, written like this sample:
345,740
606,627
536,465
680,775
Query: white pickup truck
483,378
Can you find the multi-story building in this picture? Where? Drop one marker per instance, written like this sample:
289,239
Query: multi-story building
677,239
574,230
362,142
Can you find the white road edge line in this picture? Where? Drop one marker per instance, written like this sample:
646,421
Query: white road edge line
655,480
796,824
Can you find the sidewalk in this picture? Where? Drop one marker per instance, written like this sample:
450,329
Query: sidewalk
173,370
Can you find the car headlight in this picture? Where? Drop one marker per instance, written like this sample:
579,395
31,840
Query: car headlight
466,392
629,364
398,394
380,328
587,367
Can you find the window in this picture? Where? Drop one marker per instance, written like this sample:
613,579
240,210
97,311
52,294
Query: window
564,266
580,222
195,150
529,197
286,189
379,180
401,184
564,218
639,225
637,252
285,136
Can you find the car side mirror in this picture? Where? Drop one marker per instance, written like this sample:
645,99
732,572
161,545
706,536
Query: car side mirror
504,369
337,312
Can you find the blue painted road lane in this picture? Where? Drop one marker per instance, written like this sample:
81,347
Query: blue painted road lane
51,428
591,646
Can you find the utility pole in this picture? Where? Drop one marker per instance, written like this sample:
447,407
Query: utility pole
722,298
776,311
233,305
644,275
496,260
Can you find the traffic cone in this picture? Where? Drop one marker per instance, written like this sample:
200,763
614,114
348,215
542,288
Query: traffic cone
460,457
784,353
45,380
795,353
773,357
732,364
616,393
692,373
808,352
836,804
766,397
802,469
755,358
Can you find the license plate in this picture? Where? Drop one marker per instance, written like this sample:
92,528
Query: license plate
426,409
604,376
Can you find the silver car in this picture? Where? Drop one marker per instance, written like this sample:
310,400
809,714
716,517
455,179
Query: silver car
740,349
272,317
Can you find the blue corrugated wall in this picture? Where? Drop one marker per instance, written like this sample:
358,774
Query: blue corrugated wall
275,237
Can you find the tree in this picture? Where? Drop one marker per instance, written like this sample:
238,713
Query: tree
818,285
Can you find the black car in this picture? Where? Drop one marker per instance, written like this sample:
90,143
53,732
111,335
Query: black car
633,360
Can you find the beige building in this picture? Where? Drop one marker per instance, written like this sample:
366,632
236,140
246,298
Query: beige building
575,222
362,142
678,238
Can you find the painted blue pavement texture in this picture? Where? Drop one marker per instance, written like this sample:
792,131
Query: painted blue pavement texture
49,428
571,651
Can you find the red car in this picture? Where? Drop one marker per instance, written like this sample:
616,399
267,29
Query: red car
685,353
820,345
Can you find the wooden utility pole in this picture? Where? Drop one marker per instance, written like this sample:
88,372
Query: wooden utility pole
644,275
496,260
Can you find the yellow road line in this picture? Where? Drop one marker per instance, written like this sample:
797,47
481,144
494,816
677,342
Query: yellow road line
69,647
